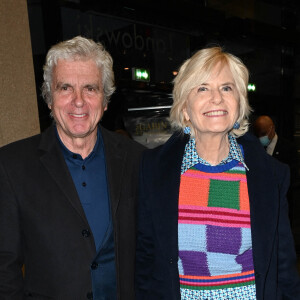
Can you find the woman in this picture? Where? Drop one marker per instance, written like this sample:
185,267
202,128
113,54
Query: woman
213,217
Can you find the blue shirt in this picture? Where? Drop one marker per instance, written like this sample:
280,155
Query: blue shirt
89,177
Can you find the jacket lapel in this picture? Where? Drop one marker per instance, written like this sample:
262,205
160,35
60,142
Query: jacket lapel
115,156
52,159
264,202
168,181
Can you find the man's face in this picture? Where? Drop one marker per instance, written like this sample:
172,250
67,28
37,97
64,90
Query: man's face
78,98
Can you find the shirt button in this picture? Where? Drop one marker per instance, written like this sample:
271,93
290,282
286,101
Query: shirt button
84,184
83,167
85,233
74,156
94,266
171,261
89,295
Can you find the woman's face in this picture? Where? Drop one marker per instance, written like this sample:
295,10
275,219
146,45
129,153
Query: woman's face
213,106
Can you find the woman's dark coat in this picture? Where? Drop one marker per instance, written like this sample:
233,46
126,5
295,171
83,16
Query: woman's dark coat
157,244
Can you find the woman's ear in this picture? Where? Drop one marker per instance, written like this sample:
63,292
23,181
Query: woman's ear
185,114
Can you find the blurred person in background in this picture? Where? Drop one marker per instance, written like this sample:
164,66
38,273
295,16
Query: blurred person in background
213,216
68,195
278,147
283,150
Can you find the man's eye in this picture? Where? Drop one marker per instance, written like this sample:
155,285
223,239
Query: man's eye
90,89
65,88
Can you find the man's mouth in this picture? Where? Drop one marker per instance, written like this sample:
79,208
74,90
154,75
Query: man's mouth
78,115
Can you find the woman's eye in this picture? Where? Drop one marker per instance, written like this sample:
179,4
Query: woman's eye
227,88
202,89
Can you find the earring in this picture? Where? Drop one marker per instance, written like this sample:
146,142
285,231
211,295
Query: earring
236,125
187,130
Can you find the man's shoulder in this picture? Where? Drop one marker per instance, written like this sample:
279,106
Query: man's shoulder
29,146
21,145
284,143
16,155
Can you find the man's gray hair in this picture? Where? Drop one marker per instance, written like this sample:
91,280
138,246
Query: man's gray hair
79,48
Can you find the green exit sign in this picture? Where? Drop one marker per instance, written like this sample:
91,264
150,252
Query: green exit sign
140,74
251,87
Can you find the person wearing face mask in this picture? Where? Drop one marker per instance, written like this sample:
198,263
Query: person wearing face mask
278,147
265,131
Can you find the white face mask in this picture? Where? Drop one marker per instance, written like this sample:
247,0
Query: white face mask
264,140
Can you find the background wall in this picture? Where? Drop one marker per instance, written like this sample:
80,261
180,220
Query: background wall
18,101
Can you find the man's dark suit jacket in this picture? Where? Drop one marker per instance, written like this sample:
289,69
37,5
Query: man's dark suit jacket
286,152
157,243
43,224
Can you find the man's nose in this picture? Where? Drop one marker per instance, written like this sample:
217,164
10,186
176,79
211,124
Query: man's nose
78,98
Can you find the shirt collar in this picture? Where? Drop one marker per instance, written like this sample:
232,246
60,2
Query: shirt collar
191,157
71,155
271,146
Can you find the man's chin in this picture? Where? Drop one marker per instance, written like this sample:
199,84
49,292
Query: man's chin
77,134
81,134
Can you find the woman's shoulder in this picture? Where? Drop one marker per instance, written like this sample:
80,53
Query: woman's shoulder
166,156
254,151
175,143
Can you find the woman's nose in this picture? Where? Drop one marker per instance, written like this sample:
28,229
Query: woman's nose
216,96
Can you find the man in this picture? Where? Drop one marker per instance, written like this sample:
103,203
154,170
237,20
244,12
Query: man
68,196
280,148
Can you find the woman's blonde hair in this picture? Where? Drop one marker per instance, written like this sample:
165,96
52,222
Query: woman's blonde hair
196,70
